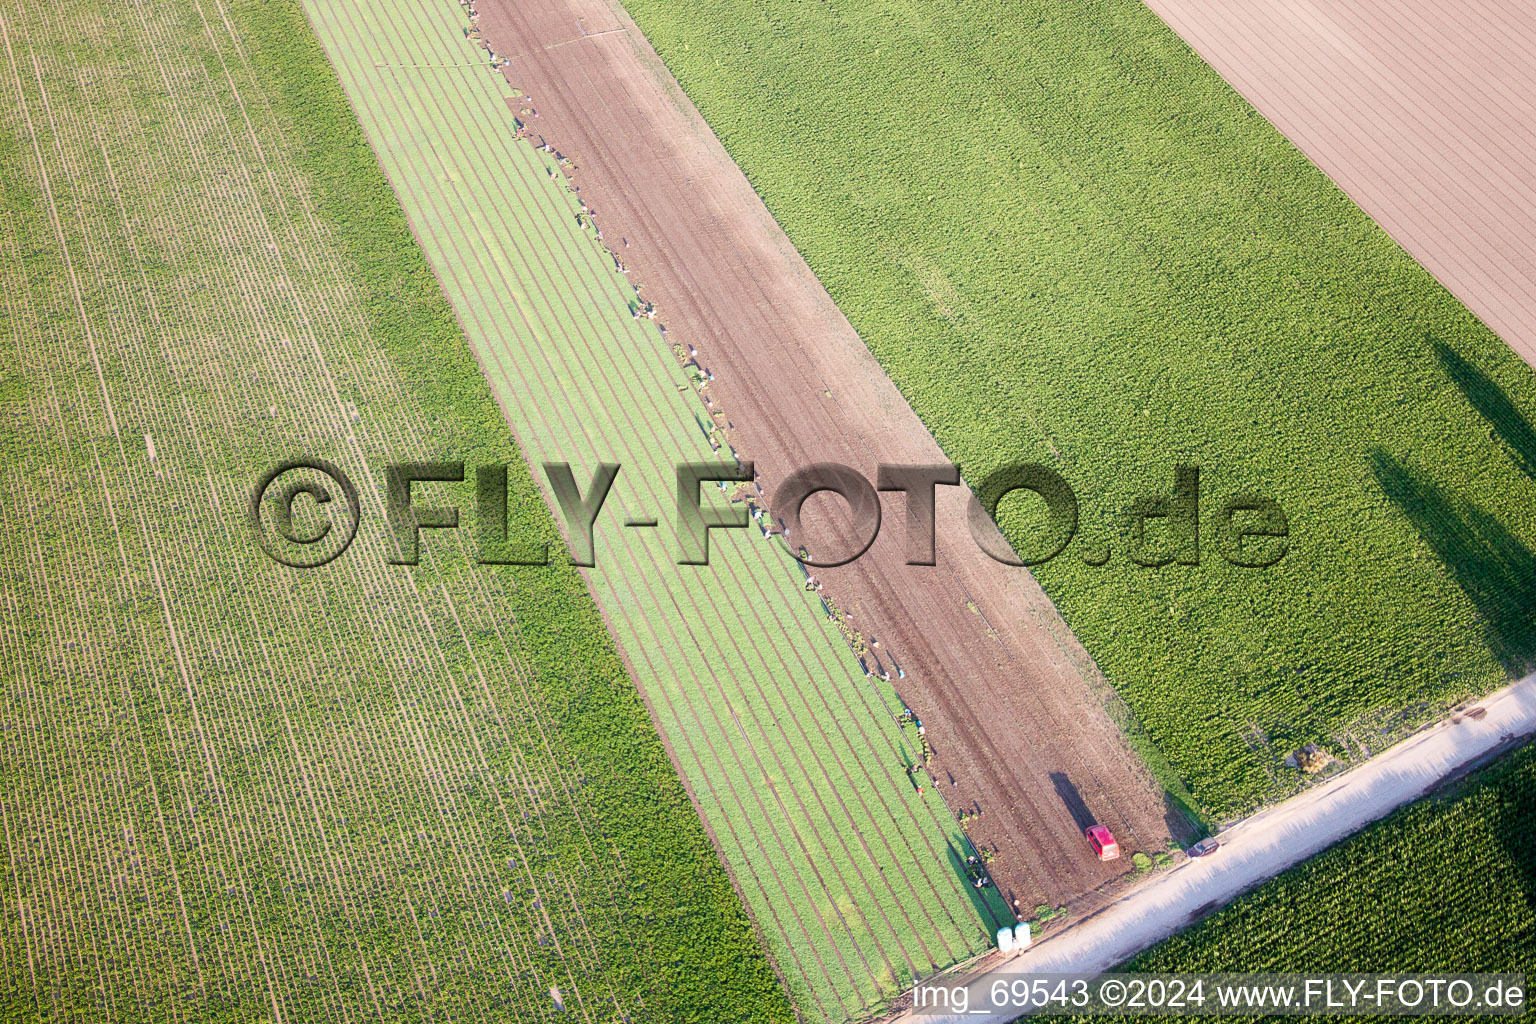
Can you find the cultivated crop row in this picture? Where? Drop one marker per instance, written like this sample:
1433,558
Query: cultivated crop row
793,753
233,790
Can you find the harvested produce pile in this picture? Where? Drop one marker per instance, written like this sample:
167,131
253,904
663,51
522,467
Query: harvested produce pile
1069,242
235,791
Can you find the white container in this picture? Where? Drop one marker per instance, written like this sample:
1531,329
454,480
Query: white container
1021,935
1005,939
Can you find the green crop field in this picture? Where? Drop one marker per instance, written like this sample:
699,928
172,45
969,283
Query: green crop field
235,791
1069,242
793,754
1447,884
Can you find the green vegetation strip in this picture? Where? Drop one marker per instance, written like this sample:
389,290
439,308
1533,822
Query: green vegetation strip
235,791
1447,884
855,880
1070,242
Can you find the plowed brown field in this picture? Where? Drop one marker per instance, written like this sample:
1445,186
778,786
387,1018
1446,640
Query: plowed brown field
1422,112
1018,715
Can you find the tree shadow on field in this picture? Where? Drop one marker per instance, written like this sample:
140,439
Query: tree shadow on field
1484,395
988,902
1491,565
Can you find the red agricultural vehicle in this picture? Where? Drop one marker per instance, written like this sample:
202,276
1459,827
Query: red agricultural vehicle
1103,842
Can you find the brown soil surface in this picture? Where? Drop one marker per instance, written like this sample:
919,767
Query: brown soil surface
1015,710
1422,112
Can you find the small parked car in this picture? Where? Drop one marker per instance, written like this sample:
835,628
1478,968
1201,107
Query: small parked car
1103,842
1205,847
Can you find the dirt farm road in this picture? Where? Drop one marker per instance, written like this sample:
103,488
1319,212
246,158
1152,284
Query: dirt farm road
1018,714
1266,844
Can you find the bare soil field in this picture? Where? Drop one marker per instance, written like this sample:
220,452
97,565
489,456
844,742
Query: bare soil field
1422,112
1022,723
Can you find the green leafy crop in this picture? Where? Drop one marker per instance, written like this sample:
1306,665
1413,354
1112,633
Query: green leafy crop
1070,242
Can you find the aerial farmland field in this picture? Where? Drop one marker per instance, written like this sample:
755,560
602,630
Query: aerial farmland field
1070,242
795,756
1023,733
234,791
358,361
